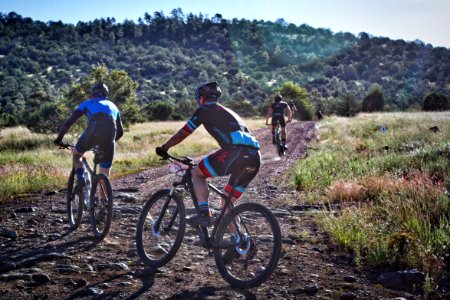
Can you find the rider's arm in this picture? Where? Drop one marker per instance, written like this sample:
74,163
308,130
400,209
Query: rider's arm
268,115
176,138
289,114
72,119
119,132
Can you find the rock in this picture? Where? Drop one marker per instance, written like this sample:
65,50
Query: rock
349,278
347,296
114,266
40,278
26,209
9,234
67,269
402,280
311,289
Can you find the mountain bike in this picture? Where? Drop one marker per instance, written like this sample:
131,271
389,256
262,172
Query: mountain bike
162,224
281,147
97,197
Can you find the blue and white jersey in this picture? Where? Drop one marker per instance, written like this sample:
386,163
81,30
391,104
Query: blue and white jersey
94,106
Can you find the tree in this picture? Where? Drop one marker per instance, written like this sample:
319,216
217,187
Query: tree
242,107
159,110
435,102
122,91
374,101
345,105
290,91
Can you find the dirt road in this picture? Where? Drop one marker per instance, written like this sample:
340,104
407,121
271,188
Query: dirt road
41,258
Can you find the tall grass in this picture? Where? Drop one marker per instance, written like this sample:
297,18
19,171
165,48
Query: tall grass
390,174
31,162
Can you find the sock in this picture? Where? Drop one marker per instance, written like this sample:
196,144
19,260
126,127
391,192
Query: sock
235,237
204,208
79,173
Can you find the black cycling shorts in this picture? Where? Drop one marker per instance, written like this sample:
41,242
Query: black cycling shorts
240,161
280,119
101,135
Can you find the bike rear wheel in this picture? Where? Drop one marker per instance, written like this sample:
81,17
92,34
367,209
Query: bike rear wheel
75,202
257,253
101,205
280,147
160,229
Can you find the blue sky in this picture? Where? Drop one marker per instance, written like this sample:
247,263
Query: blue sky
427,20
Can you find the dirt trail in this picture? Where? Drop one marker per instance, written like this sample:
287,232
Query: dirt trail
41,258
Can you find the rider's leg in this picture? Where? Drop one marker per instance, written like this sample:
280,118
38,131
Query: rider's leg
201,189
283,134
273,133
105,169
77,164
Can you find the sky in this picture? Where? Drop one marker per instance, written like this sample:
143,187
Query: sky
426,20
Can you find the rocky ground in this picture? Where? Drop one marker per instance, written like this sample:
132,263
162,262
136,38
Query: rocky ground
41,258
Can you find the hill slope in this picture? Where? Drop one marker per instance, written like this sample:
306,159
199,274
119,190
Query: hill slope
46,260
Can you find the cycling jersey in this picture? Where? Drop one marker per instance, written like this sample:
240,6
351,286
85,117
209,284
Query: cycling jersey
278,108
239,155
94,106
278,113
224,125
104,128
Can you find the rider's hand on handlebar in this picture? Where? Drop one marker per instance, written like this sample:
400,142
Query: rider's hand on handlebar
58,142
162,152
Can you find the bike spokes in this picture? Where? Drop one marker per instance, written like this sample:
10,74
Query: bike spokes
160,229
250,261
75,202
101,204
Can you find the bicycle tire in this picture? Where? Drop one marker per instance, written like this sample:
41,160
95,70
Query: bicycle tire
100,208
280,148
156,249
261,257
75,203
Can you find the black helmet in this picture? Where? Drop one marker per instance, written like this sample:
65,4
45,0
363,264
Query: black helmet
99,90
278,97
210,90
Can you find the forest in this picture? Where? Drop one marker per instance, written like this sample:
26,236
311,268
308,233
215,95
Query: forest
155,64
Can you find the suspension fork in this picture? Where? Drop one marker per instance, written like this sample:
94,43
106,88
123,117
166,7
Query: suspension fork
163,212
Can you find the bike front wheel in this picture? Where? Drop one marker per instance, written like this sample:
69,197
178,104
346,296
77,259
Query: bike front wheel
251,261
160,229
75,203
101,205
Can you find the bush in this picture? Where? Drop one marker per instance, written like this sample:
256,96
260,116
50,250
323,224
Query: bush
435,102
159,111
374,101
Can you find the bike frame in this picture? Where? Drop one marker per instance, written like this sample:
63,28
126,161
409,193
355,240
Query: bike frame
186,183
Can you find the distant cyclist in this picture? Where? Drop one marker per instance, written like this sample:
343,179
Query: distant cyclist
276,112
238,155
292,107
104,128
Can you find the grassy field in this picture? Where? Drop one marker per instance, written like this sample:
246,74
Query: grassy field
31,162
389,172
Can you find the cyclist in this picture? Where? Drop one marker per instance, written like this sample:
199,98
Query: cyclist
276,111
104,128
292,107
238,154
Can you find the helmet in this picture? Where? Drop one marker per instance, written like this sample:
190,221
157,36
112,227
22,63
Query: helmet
99,90
210,90
278,97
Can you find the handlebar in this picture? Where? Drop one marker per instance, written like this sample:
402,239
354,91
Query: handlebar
65,146
183,160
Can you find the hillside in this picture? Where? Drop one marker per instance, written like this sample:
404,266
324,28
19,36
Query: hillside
43,258
168,56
